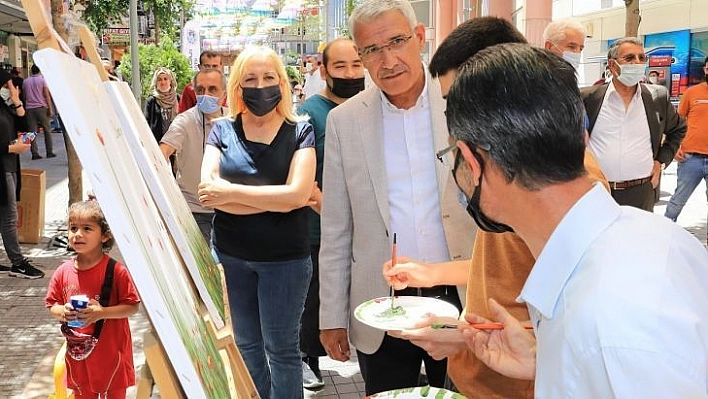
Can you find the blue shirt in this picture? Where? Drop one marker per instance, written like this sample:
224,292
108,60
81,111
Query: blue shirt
619,301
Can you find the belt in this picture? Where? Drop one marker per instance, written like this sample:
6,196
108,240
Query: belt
695,154
623,185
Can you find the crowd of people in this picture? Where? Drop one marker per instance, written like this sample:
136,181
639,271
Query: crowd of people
300,191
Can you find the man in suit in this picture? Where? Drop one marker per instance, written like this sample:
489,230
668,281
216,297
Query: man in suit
634,129
381,177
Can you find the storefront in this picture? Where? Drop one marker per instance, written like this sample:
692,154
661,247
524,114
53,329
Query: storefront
16,39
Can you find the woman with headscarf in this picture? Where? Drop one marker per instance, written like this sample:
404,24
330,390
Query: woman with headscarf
12,113
161,106
258,173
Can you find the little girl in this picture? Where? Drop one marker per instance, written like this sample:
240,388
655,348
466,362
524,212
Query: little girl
108,370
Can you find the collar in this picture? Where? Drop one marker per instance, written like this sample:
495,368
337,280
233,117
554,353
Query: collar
612,89
422,98
581,225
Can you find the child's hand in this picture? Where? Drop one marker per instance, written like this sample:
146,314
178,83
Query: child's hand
92,313
68,313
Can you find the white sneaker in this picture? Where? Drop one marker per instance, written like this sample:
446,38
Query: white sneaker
309,378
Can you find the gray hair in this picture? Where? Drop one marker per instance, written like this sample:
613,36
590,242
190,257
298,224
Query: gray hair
613,52
369,10
556,31
221,74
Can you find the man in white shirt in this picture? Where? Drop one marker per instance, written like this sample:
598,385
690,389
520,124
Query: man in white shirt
313,83
381,177
187,137
617,295
634,129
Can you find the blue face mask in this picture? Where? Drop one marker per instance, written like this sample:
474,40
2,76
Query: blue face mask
207,104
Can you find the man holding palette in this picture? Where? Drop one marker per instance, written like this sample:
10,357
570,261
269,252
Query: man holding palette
617,295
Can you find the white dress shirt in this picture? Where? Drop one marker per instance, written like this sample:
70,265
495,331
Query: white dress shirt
618,301
414,204
620,140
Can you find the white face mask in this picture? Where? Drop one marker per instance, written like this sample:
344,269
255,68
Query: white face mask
653,80
572,58
631,74
5,94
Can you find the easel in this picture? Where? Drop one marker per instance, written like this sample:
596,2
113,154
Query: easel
158,368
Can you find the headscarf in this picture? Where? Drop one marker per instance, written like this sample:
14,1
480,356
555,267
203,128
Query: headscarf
168,99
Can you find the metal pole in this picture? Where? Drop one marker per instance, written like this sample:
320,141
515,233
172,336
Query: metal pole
134,62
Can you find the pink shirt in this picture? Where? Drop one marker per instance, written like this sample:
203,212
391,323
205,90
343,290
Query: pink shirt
33,87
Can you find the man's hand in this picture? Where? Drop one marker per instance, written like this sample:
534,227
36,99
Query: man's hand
408,273
440,343
679,156
511,351
336,343
656,174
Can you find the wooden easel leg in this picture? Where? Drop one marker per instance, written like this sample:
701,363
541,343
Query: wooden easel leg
240,381
146,383
160,368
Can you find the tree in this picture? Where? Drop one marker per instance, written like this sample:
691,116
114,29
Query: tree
152,56
74,169
169,14
632,18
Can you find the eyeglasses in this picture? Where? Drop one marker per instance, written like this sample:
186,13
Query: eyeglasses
375,53
631,57
440,154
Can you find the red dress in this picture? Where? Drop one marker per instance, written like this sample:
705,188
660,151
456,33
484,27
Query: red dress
110,365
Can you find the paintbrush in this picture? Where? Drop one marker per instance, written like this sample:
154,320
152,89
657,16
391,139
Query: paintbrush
393,263
478,326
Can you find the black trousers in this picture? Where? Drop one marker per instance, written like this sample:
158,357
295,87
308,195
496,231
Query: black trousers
642,196
396,364
310,322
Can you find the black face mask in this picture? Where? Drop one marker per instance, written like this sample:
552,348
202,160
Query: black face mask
346,88
473,208
261,100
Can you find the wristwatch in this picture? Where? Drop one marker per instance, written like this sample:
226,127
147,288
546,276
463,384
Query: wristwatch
17,106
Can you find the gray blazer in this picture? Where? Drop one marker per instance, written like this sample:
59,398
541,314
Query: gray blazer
661,116
355,212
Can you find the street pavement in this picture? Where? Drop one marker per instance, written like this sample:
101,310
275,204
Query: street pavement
30,338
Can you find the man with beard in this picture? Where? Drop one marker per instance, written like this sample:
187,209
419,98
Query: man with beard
381,178
343,72
616,295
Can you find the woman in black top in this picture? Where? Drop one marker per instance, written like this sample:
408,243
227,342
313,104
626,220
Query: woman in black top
11,111
258,173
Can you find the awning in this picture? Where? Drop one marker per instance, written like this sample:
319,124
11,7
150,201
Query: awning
13,18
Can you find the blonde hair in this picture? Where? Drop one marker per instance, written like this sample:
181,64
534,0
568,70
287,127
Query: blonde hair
236,104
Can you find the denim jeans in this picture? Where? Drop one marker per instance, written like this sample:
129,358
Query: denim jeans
691,171
8,221
266,301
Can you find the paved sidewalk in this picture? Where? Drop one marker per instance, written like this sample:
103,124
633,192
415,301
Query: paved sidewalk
29,338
